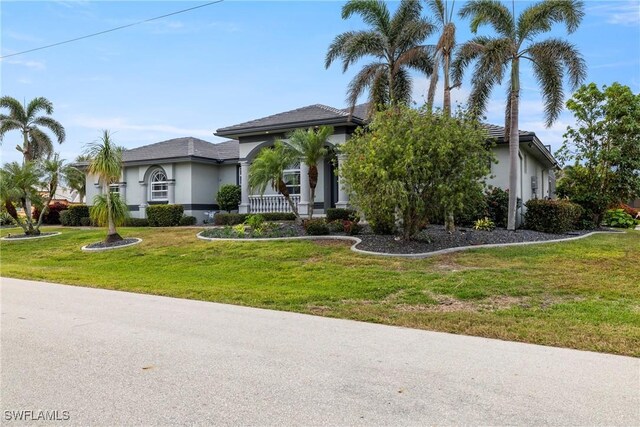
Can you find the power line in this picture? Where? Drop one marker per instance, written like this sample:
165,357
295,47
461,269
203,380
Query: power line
112,29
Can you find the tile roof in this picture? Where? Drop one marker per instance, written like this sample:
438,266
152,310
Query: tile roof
299,116
496,131
183,147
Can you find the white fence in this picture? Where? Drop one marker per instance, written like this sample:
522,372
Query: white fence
271,203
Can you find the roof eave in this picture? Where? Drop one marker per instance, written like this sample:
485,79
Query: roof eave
253,130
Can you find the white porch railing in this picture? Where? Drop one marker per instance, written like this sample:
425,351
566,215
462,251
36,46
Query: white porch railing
271,203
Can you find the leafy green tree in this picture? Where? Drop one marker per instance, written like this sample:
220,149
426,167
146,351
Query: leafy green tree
52,170
19,185
310,146
106,164
604,147
36,143
416,164
551,60
229,197
395,43
268,169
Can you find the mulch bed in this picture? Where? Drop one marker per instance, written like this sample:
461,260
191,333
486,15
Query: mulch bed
102,245
28,236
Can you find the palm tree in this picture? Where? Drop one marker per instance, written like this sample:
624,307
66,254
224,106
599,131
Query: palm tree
76,179
52,170
268,169
309,146
19,184
36,143
393,42
551,60
106,164
442,52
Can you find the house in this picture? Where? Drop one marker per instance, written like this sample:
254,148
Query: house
189,171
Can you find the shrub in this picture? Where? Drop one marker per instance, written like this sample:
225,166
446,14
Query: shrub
629,209
316,227
229,218
279,216
552,216
6,219
136,222
229,197
484,224
188,220
382,222
76,212
497,204
255,221
338,214
351,227
164,215
64,217
53,214
336,226
85,221
618,218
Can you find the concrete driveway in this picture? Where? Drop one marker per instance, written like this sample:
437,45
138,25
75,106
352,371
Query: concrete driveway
115,358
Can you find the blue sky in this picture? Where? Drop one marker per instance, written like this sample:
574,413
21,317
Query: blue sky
192,73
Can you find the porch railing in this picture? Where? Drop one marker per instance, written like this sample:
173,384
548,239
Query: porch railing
271,203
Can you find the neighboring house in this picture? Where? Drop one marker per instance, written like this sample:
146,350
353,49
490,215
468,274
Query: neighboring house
189,171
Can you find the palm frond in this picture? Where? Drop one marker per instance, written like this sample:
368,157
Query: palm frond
540,17
106,159
438,10
413,34
359,45
402,87
8,124
364,80
489,12
417,58
38,104
40,144
53,125
268,167
465,54
373,12
408,13
16,109
99,211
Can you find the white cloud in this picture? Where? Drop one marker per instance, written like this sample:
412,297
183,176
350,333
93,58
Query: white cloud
34,65
120,124
619,12
23,37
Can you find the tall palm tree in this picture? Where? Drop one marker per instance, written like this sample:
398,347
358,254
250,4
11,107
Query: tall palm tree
52,170
106,164
19,184
36,144
442,51
395,44
551,60
309,146
268,169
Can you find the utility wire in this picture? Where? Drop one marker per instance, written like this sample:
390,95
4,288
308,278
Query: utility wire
112,29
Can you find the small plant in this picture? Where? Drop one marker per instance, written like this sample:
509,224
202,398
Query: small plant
239,229
484,224
351,227
618,218
316,227
6,219
188,220
336,226
229,197
255,221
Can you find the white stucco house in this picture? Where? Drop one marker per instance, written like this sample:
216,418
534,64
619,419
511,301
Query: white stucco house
189,171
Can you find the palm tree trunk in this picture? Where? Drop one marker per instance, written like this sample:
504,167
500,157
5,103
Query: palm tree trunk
392,94
112,234
433,83
313,182
447,88
514,144
282,189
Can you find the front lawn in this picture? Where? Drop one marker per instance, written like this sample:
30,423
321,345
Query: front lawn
583,294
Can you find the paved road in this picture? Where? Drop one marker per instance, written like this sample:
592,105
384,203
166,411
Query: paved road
119,358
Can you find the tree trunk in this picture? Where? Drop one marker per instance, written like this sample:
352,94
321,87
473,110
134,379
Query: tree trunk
282,189
449,223
313,182
433,83
392,94
112,234
447,88
514,145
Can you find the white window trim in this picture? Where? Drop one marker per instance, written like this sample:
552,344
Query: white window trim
152,183
292,170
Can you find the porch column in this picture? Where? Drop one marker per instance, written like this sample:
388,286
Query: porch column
143,198
304,205
244,187
122,190
171,191
343,196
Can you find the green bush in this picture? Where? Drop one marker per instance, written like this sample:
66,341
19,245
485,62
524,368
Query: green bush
164,215
351,228
279,216
6,219
85,221
316,227
497,205
229,197
52,217
618,218
334,214
552,216
136,222
336,226
229,218
75,213
65,218
188,220
382,222
255,221
484,224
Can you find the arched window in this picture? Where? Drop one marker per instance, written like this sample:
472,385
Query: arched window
159,186
291,177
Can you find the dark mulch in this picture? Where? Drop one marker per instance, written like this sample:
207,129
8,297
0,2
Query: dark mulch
25,236
435,238
111,245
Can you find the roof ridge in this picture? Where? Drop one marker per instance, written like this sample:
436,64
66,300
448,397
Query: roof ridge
332,109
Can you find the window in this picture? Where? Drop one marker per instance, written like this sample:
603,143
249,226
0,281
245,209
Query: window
159,185
291,177
114,188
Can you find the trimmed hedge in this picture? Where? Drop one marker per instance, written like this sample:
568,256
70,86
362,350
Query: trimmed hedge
85,221
316,227
73,215
229,218
136,222
188,220
334,214
52,217
228,197
278,216
164,215
552,216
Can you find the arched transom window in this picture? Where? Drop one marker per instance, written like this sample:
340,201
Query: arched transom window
291,177
159,185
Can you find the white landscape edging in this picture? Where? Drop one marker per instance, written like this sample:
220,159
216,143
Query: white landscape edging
10,239
419,255
108,248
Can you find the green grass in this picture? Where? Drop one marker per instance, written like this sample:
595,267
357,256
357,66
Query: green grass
583,294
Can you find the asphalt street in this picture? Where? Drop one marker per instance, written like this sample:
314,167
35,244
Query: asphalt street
117,358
